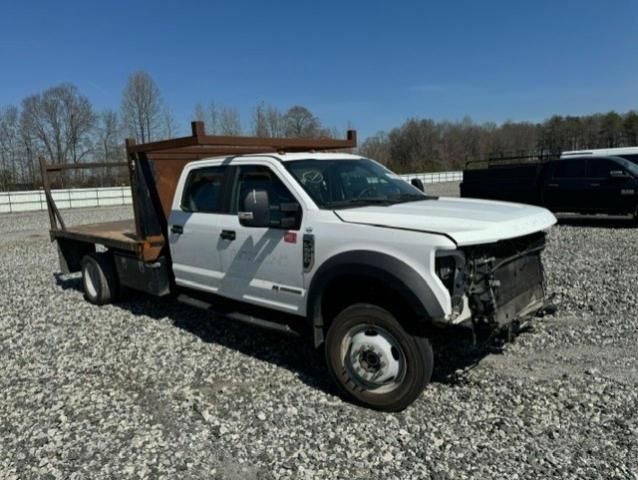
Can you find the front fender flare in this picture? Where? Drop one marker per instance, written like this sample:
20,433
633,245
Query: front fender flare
395,273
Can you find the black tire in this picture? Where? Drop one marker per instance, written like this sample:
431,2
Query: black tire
412,353
99,278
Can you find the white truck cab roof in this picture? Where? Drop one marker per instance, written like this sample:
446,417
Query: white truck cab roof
612,152
284,157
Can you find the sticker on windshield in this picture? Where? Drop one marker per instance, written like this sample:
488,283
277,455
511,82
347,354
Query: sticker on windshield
312,176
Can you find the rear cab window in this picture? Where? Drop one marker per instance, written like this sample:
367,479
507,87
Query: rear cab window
570,169
203,190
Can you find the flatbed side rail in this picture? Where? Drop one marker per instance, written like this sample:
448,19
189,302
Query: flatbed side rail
55,217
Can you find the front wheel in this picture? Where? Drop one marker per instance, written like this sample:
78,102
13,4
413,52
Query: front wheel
374,361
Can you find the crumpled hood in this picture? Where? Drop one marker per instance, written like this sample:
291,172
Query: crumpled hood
467,221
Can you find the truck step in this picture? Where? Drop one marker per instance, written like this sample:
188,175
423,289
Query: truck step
235,315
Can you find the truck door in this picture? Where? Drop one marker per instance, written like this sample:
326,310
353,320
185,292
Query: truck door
263,266
615,187
566,187
193,230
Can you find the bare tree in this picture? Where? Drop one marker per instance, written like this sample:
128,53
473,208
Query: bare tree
142,107
108,146
630,128
208,114
376,147
260,121
108,137
229,121
170,127
9,146
300,122
60,121
276,122
268,121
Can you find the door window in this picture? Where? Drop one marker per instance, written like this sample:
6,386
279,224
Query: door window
600,167
570,168
259,177
203,191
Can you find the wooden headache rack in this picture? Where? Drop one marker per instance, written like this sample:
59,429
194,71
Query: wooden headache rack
154,170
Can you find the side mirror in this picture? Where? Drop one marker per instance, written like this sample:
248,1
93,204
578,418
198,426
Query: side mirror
418,183
256,209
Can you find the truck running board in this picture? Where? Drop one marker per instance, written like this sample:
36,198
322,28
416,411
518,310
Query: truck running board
239,316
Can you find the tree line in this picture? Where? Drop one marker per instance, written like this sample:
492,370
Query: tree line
421,145
62,125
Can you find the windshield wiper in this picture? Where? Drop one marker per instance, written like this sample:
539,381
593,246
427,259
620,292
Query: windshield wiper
408,197
358,202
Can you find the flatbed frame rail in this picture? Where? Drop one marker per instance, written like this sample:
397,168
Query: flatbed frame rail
154,170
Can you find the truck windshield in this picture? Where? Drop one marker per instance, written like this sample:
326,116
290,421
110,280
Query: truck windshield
629,166
352,183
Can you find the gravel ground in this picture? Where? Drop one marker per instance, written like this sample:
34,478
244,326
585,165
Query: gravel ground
153,389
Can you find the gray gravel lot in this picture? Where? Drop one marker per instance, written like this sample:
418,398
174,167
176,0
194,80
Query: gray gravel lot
153,389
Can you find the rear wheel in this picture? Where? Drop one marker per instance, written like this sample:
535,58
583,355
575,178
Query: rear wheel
99,278
374,361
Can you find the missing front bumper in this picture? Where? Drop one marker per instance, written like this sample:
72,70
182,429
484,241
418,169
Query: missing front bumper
506,281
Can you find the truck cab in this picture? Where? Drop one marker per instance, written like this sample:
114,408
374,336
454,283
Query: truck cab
315,235
573,183
591,184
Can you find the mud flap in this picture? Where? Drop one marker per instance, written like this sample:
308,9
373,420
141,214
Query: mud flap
71,253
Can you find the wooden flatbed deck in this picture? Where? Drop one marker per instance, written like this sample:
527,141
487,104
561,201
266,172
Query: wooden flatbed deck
119,234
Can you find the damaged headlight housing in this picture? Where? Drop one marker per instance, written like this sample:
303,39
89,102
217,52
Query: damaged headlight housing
450,268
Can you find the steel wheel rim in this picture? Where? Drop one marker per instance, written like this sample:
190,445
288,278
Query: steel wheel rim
373,358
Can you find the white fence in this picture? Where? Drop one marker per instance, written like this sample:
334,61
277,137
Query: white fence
100,197
435,177
71,198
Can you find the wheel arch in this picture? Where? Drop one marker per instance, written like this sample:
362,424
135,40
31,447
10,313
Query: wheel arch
363,270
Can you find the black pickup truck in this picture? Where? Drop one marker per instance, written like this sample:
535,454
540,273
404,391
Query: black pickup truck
587,184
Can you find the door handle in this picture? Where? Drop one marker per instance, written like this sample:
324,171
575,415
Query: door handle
227,235
177,229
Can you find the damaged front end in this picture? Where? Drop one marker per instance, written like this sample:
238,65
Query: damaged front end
495,284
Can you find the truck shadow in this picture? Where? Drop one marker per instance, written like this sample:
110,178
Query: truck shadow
455,349
597,221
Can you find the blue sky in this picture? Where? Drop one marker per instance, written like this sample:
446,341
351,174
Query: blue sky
370,63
